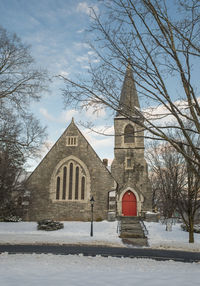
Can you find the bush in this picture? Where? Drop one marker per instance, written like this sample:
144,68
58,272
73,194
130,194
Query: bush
49,225
99,219
196,228
11,218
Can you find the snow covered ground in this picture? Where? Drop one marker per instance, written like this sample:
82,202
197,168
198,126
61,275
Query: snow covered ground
105,233
75,270
158,237
32,270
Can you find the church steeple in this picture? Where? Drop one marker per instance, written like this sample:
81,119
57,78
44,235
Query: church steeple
129,99
129,167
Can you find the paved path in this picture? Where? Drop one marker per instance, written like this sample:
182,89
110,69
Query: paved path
88,250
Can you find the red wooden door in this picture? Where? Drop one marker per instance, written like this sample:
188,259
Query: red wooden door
129,204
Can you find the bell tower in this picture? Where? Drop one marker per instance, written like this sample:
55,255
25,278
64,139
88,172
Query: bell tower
129,167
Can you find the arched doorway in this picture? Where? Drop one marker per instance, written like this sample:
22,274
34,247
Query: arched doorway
129,204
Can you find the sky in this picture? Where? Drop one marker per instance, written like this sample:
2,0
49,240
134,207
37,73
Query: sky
56,32
55,29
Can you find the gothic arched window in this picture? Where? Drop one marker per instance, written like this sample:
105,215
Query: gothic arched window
58,188
129,134
71,181
82,188
77,183
64,182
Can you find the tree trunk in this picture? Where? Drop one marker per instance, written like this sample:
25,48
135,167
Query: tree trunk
191,229
191,235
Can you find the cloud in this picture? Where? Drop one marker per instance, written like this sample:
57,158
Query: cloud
160,115
80,45
91,53
65,116
100,136
83,7
93,114
34,21
80,31
107,130
99,143
89,58
81,59
85,67
103,145
64,73
45,113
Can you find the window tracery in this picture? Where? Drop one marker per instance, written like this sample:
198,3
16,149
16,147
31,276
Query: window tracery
71,181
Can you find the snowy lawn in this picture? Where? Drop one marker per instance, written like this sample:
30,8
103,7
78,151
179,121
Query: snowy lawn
32,270
105,233
158,237
62,270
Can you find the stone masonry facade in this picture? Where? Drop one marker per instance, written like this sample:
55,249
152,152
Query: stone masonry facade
130,168
42,183
71,173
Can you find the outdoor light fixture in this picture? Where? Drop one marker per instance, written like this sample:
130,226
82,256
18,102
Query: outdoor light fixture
92,207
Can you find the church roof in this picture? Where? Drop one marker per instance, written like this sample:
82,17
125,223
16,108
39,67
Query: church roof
129,99
71,130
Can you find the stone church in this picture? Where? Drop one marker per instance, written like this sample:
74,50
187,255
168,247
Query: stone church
71,173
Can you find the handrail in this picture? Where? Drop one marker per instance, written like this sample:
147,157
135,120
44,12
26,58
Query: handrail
118,226
144,227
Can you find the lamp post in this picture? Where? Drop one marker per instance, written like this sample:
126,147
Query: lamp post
92,207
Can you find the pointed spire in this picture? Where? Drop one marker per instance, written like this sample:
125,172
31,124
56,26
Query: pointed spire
129,98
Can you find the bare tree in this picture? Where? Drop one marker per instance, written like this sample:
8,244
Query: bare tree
20,83
21,135
168,173
159,40
188,202
176,187
11,162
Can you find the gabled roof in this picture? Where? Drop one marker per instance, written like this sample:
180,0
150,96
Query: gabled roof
71,126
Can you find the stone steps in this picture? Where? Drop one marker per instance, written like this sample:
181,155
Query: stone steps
132,232
135,241
131,235
131,219
129,227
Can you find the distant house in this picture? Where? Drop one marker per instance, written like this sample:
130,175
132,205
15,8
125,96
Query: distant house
71,173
